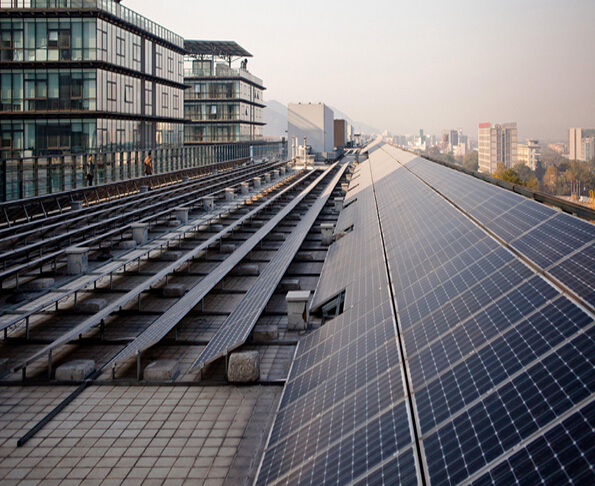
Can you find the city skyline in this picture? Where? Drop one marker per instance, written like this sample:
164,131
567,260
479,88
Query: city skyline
421,66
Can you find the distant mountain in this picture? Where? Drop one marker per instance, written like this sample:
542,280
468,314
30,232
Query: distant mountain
275,117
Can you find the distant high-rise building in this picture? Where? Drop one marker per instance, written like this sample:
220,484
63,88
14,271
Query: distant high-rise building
497,143
529,153
580,143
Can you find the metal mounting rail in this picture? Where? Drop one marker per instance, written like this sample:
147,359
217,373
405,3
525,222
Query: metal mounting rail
168,320
134,293
183,198
10,318
239,324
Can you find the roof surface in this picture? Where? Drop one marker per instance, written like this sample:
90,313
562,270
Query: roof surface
216,48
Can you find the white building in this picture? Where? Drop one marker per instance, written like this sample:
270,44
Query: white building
497,144
529,153
582,141
314,121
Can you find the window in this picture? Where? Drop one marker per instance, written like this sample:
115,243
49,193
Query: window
120,46
136,52
170,65
111,91
164,100
176,102
128,95
159,61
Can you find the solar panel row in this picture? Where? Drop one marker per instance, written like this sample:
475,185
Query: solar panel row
499,360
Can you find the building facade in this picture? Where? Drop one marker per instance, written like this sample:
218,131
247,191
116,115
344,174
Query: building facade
86,76
497,143
529,153
581,144
222,104
313,121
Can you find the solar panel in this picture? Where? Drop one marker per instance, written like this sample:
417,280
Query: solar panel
239,324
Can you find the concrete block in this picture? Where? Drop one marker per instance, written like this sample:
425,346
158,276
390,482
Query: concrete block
348,177
339,204
256,182
265,333
248,269
277,237
76,370
76,205
185,178
92,305
77,259
227,248
128,244
230,194
162,370
244,367
208,203
275,174
144,189
182,215
174,290
344,187
282,171
171,256
173,223
297,310
267,177
215,172
245,188
290,284
39,284
140,233
216,227
326,230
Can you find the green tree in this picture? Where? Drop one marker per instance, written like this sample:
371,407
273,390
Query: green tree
550,179
524,172
533,183
506,174
470,162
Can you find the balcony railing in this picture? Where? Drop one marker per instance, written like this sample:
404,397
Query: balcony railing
35,176
222,73
108,6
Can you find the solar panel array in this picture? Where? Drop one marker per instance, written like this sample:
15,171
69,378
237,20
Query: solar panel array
239,324
497,358
344,413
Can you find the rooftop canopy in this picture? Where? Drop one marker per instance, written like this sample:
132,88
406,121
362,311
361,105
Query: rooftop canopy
222,49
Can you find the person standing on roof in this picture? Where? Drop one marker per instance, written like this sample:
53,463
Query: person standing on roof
148,165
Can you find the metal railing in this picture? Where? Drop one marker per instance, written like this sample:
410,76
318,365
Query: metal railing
26,177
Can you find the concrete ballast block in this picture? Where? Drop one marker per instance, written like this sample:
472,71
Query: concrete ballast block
267,177
162,370
40,284
227,248
229,194
77,258
182,215
339,204
185,178
128,244
174,290
144,189
290,284
76,205
171,256
326,230
245,187
92,305
297,310
265,333
208,203
140,233
244,367
248,269
173,223
76,370
256,182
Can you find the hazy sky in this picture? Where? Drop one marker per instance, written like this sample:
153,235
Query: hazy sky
401,65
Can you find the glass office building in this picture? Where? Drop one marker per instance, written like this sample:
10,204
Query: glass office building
221,104
87,76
